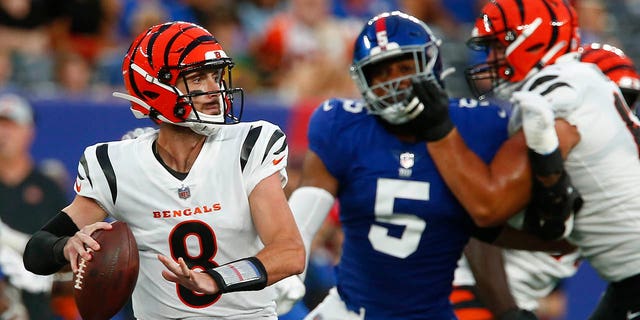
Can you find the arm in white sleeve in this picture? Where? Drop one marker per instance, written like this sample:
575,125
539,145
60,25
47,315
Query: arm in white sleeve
310,206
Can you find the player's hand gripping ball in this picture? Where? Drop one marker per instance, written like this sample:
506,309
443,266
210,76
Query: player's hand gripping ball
103,285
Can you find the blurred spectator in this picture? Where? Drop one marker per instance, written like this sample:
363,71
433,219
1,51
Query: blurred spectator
140,17
28,199
223,21
452,21
625,18
175,11
24,25
256,14
305,52
595,22
85,27
6,72
453,18
73,74
24,33
74,78
144,15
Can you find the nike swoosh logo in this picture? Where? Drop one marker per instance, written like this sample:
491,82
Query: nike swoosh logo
276,161
632,316
78,186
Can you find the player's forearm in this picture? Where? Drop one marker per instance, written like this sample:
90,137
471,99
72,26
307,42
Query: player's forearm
517,239
44,252
282,259
491,194
487,265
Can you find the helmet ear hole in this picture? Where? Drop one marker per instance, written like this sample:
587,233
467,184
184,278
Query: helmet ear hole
164,75
508,72
180,109
510,36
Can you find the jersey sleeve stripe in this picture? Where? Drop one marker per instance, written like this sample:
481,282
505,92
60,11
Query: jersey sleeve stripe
85,166
274,138
554,86
541,80
248,144
105,163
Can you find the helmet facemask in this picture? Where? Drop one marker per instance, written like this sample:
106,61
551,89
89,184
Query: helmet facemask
390,99
492,76
201,122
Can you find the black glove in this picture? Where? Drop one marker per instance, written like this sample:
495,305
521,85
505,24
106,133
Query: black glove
432,123
518,314
550,207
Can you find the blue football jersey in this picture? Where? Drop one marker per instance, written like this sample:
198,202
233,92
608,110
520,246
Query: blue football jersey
404,230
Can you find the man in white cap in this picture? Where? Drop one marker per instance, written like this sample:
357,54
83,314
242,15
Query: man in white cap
27,198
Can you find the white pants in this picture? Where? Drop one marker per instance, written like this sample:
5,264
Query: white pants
333,308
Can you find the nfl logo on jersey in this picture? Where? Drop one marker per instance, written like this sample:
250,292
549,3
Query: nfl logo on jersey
406,162
184,192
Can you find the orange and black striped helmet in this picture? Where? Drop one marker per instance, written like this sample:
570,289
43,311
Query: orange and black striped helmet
159,57
616,65
520,37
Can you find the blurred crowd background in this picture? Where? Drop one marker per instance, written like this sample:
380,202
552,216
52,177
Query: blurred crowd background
290,55
287,50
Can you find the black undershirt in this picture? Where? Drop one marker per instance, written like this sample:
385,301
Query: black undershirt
179,175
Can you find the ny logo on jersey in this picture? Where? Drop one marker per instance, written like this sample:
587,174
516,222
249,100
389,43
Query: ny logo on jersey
184,192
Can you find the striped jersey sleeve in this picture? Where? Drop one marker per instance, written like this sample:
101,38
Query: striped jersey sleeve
96,178
264,152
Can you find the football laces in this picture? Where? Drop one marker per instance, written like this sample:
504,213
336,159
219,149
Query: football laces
80,275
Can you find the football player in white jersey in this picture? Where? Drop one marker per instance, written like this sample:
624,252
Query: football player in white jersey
565,108
533,275
202,195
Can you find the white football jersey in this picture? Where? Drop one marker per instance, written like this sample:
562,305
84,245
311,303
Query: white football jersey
204,218
530,275
604,166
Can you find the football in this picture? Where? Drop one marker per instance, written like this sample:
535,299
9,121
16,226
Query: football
103,285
